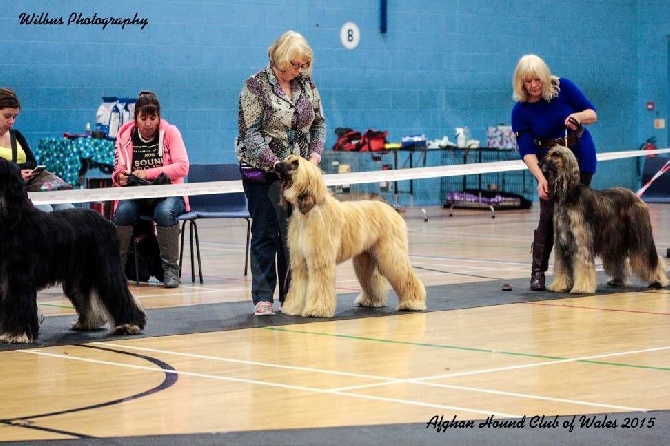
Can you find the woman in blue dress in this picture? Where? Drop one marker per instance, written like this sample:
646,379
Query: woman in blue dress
546,107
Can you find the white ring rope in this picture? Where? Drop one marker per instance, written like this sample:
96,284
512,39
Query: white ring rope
224,187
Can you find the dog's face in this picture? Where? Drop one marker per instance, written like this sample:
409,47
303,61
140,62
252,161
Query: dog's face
551,163
559,159
287,169
561,169
13,195
302,183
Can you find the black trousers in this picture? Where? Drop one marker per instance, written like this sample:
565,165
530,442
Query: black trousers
269,230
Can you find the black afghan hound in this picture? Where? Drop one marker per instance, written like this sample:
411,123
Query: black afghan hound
612,223
77,248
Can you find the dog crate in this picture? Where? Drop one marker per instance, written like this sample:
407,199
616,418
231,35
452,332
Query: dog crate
496,190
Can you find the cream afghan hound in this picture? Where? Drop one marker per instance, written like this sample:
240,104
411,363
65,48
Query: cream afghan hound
613,224
324,232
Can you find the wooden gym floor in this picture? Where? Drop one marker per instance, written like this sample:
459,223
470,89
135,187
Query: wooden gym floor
207,371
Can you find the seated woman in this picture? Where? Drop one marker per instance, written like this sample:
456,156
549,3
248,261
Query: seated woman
13,145
146,148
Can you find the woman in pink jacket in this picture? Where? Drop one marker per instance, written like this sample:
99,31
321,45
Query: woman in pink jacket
146,148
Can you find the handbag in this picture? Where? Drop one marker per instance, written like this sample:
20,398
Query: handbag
373,141
253,174
46,181
348,140
134,180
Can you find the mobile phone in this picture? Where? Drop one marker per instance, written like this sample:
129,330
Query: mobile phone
39,169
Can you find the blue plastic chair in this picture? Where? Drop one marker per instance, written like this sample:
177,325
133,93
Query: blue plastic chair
232,205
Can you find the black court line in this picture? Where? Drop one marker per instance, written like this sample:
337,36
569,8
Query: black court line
170,380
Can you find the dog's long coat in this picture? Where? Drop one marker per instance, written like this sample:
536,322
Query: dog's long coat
77,248
613,224
324,232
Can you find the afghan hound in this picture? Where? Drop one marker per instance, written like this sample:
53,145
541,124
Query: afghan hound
324,232
613,224
77,248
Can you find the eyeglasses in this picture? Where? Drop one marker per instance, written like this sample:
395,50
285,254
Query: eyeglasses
300,66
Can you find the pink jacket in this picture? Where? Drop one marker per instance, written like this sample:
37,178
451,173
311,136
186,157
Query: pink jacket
175,158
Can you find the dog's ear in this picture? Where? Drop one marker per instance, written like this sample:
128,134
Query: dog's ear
14,196
306,202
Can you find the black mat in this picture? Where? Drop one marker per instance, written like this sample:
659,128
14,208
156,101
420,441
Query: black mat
206,318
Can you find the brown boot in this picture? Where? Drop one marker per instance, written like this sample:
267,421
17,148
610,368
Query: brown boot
168,242
537,280
541,249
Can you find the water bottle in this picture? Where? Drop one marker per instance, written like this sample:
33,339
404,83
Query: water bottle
127,110
103,114
87,132
460,137
114,121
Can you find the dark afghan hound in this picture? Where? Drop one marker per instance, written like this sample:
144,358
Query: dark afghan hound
77,248
613,224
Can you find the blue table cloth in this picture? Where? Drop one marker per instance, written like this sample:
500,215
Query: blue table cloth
64,156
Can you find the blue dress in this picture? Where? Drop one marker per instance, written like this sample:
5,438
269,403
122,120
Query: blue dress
546,120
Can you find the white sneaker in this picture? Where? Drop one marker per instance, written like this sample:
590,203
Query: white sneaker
263,309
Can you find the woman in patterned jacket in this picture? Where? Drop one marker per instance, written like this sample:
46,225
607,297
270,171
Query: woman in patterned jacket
280,114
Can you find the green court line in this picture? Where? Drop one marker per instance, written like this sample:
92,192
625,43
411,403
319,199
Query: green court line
470,349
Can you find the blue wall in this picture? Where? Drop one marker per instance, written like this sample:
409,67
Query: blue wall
442,64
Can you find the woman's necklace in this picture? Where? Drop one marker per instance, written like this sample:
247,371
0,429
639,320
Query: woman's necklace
146,141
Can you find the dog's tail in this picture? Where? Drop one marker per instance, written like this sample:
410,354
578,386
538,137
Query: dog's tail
651,270
646,262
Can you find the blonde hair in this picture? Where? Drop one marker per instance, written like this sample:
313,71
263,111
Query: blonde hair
287,47
532,66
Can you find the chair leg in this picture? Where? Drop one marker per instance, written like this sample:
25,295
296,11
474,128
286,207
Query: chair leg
193,235
197,250
191,231
181,246
246,252
137,262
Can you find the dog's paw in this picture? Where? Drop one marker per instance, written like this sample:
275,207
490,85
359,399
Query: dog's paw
412,306
558,287
616,283
315,313
290,311
126,329
83,326
21,338
363,300
576,290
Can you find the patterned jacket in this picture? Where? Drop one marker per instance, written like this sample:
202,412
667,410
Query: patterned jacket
273,126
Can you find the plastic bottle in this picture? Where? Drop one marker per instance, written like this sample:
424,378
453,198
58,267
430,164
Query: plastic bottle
127,114
103,114
114,121
460,137
88,130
